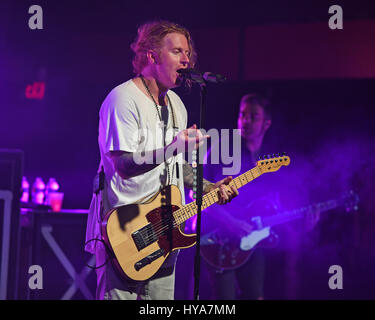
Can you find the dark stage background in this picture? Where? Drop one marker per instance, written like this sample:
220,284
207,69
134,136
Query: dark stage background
322,104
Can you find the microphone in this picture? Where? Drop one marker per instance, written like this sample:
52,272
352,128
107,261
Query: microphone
198,76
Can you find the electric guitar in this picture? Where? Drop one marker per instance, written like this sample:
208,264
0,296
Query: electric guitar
227,252
141,236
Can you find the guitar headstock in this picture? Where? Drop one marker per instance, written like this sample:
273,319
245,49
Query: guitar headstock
272,163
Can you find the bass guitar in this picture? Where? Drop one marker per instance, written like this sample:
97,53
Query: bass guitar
141,236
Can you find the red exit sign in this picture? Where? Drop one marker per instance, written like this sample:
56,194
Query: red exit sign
35,90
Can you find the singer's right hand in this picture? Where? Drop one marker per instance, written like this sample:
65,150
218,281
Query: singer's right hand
189,139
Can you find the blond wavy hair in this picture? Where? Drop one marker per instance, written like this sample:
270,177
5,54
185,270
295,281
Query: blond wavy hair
150,36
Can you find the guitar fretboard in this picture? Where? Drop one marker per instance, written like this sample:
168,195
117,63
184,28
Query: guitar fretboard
189,210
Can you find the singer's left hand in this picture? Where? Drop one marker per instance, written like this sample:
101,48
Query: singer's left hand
226,192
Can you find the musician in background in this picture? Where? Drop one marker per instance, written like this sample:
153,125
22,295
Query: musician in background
245,281
244,278
143,119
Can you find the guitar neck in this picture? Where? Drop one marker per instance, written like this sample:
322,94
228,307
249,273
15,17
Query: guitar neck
189,210
288,216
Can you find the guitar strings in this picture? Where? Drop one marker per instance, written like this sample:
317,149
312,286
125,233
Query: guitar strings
159,230
164,225
211,196
160,227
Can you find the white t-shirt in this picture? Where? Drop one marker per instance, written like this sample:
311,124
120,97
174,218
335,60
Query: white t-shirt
129,121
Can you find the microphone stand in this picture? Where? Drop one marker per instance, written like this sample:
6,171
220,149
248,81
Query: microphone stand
199,193
201,79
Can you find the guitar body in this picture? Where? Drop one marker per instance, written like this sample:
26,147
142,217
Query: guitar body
227,252
141,236
223,253
225,249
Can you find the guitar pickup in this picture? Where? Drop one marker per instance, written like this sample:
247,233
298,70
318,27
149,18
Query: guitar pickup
144,237
147,260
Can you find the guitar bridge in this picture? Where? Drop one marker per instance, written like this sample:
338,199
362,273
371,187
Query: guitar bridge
147,260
